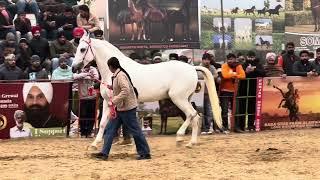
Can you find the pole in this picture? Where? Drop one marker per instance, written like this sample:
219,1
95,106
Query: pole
223,31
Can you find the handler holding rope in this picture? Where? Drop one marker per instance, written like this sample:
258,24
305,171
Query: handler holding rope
125,99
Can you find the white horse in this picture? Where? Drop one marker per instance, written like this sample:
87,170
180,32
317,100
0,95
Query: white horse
173,79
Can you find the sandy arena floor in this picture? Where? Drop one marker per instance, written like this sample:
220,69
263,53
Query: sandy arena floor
291,154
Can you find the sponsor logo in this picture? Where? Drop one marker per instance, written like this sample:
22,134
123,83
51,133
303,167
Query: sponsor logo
3,122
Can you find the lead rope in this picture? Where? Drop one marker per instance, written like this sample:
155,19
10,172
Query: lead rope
111,105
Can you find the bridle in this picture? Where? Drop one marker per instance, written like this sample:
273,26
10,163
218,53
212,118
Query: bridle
89,47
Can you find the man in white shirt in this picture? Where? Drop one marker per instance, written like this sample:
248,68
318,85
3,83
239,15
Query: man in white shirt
18,130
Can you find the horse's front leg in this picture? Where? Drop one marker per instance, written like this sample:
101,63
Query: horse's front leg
102,125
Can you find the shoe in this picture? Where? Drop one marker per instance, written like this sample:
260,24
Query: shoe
143,157
204,133
226,132
126,142
100,156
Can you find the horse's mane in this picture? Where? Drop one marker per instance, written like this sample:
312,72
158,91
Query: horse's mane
109,47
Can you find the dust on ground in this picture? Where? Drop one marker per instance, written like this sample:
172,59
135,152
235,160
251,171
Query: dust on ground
281,154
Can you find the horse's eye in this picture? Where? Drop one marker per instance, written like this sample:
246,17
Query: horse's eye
82,50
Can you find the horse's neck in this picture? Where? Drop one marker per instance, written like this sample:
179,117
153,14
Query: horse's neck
102,53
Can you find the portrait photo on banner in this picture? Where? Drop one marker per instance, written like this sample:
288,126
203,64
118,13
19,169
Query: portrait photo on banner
33,109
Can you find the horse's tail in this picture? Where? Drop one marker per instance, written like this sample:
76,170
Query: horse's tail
214,100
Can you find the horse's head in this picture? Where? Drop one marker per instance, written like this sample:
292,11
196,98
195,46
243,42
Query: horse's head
278,6
85,53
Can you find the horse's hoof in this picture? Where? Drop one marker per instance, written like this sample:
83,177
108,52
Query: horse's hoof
189,145
179,139
92,148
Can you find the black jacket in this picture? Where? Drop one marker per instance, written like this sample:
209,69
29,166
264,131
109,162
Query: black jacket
40,47
300,69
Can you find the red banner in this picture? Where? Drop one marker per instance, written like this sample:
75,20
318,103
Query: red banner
259,103
33,109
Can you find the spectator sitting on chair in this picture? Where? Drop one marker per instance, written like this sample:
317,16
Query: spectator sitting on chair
9,45
10,6
23,27
77,34
87,20
63,72
6,25
61,47
28,6
24,55
40,47
67,22
35,70
48,24
9,70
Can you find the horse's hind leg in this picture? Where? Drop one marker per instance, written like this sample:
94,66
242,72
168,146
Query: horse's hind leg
191,114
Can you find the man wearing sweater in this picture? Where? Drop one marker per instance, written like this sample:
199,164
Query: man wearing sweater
63,71
231,71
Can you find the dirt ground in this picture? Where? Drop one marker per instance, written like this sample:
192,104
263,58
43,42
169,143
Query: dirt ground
281,154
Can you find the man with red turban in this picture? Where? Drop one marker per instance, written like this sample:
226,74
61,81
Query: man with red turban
77,34
40,47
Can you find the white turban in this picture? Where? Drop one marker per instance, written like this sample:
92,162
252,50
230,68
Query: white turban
45,87
270,54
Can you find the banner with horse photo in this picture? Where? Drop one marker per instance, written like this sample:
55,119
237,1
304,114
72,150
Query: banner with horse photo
33,109
303,23
286,103
247,24
164,116
152,24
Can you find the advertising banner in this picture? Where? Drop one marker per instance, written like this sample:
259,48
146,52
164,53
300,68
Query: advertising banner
33,109
309,42
152,24
285,103
247,25
302,24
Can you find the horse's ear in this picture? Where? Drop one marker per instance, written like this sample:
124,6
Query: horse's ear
86,34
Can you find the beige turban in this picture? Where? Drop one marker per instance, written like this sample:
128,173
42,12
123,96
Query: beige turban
45,87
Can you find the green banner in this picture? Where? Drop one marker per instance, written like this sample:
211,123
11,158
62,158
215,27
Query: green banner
45,132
